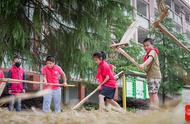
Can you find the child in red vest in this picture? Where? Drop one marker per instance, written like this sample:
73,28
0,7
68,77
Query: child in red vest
152,67
51,73
105,77
16,72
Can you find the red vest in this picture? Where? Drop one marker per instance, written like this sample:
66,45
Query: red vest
17,73
146,56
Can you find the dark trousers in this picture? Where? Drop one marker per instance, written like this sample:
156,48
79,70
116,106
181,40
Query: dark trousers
15,104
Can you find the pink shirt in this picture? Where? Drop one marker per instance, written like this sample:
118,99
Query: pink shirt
104,70
52,75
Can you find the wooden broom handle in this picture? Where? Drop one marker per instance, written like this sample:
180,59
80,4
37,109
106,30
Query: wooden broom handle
9,80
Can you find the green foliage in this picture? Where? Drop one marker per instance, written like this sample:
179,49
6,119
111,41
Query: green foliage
75,29
13,32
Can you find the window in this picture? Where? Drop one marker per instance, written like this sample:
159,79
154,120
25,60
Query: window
142,34
142,8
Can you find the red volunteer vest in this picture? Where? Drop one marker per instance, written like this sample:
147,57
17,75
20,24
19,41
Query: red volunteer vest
17,73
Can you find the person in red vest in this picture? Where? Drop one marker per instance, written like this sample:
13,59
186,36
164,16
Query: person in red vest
152,67
16,72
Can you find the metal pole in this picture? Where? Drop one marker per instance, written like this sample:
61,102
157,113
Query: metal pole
124,92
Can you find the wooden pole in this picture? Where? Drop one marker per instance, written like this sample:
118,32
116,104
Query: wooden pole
24,96
119,45
132,60
87,97
120,50
2,87
166,32
9,80
163,15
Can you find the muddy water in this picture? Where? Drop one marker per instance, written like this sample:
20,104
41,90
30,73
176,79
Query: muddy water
164,116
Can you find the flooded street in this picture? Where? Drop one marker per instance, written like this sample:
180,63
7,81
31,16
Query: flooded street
174,116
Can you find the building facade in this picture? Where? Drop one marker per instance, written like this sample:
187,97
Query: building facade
146,11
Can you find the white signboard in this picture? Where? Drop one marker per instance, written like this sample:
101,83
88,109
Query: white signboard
139,89
130,89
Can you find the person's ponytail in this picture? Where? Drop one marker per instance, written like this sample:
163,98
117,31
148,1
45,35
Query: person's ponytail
103,54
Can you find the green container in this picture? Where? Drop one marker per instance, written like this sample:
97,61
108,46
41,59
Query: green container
136,88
